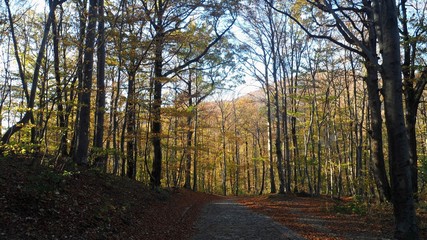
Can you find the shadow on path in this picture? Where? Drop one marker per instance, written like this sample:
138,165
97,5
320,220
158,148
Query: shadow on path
228,219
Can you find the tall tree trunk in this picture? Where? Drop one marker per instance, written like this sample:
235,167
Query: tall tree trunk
401,182
412,93
263,162
256,157
236,147
295,146
114,110
81,5
286,132
315,111
374,104
248,173
308,139
270,137
100,159
358,130
278,140
62,149
80,156
196,123
287,140
187,149
224,159
130,127
156,125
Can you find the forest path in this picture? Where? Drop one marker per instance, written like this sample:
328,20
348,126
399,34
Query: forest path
227,219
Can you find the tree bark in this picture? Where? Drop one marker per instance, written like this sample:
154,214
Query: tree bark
81,5
80,156
236,147
187,149
412,92
156,125
130,127
378,162
224,153
401,182
196,123
100,159
374,103
61,113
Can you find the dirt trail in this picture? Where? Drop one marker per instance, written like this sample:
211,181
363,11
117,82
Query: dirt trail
227,219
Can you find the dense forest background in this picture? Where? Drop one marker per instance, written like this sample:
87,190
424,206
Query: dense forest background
145,89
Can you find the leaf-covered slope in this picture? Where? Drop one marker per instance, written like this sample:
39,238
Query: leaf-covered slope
39,203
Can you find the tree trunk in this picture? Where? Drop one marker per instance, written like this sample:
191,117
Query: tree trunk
80,156
196,122
236,148
187,149
100,160
270,138
401,182
224,153
374,103
62,149
263,162
28,116
287,140
81,5
248,173
412,94
278,140
116,155
156,126
130,127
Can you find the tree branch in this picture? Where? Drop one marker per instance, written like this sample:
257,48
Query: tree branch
205,51
341,27
30,105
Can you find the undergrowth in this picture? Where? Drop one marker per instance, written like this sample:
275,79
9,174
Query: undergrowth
354,206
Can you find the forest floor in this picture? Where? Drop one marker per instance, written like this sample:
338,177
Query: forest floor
326,218
39,203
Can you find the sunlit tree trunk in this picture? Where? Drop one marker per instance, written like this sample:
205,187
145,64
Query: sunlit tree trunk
189,137
195,156
263,162
248,172
307,140
236,148
274,73
224,149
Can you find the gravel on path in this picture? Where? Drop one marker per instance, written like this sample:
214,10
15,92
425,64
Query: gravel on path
227,219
